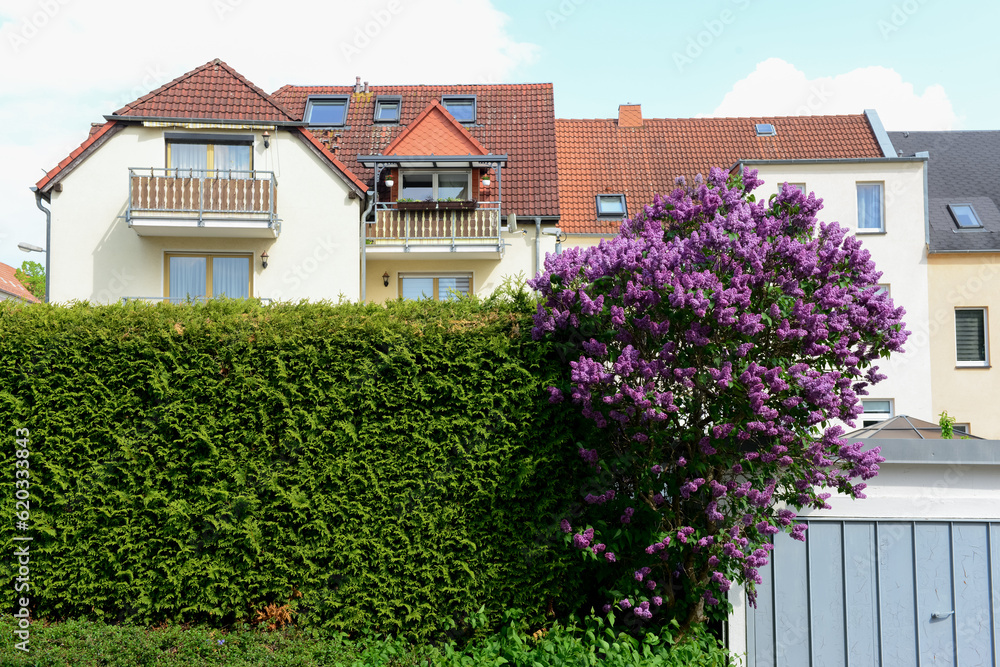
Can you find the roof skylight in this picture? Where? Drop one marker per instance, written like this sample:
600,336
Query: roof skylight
766,130
965,216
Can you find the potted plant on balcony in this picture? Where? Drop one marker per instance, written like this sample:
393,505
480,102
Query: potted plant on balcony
407,204
453,204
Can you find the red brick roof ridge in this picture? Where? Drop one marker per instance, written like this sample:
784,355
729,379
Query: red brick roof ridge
411,128
183,77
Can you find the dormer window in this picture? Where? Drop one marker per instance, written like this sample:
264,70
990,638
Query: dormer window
387,109
611,206
326,111
462,108
424,185
964,216
766,130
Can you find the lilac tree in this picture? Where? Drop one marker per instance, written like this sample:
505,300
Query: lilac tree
718,338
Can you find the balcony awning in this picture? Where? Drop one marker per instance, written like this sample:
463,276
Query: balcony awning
433,161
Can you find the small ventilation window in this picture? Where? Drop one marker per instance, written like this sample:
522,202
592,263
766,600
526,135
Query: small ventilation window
387,110
965,216
765,130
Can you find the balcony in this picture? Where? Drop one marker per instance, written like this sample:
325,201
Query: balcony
203,203
435,228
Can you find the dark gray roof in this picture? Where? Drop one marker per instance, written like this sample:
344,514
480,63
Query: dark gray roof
964,168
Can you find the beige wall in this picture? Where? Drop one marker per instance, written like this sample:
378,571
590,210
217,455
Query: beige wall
899,252
98,258
970,394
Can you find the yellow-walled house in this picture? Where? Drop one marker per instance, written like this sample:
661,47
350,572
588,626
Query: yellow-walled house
963,237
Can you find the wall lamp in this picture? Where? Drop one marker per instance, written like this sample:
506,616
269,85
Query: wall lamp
263,259
385,278
267,139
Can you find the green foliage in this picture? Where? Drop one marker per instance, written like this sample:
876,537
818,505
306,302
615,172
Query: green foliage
947,423
596,641
357,466
32,276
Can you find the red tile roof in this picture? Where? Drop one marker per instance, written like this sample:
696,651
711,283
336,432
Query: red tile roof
516,119
434,131
9,284
602,156
213,91
95,139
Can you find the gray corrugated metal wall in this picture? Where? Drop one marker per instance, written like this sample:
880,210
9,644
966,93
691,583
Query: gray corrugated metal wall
879,593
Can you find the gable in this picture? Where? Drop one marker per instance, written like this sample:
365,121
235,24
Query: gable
435,132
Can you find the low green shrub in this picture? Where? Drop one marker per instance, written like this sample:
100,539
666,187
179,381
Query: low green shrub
596,641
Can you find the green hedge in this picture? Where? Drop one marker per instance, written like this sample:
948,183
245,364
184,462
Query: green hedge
391,468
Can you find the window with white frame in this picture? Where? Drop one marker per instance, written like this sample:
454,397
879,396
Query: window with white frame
962,428
875,410
971,336
440,185
439,287
611,206
461,107
326,110
801,187
871,212
199,276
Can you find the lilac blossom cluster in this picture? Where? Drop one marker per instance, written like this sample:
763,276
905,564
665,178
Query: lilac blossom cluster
730,332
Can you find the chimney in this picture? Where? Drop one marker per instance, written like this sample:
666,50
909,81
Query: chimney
357,84
366,86
629,115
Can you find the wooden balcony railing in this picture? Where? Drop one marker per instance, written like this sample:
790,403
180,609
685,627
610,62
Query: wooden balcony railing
201,193
435,227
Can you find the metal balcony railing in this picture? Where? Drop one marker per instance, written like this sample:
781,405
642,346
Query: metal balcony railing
201,193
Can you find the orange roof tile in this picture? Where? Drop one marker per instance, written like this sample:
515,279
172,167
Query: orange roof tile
9,284
213,91
92,141
516,120
602,156
434,131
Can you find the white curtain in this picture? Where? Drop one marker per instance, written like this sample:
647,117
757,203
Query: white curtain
188,156
232,158
869,206
187,277
231,277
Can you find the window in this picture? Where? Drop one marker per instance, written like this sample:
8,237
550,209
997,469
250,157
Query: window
765,130
194,276
210,153
463,109
883,288
870,207
326,110
800,186
961,428
875,411
970,337
387,109
964,216
420,186
438,287
611,206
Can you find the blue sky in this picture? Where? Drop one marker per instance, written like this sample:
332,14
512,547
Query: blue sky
65,63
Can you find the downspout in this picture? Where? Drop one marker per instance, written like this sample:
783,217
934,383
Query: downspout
364,244
48,237
538,246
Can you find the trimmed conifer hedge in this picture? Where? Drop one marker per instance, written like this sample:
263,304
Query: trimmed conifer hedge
392,468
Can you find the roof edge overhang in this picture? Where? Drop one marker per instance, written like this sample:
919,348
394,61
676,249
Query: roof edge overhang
936,452
349,177
433,161
881,136
827,160
220,121
50,180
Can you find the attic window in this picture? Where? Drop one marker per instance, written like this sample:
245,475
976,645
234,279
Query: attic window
326,110
611,206
965,216
387,109
462,108
766,130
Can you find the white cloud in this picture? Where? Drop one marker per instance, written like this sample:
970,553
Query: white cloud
777,88
66,63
